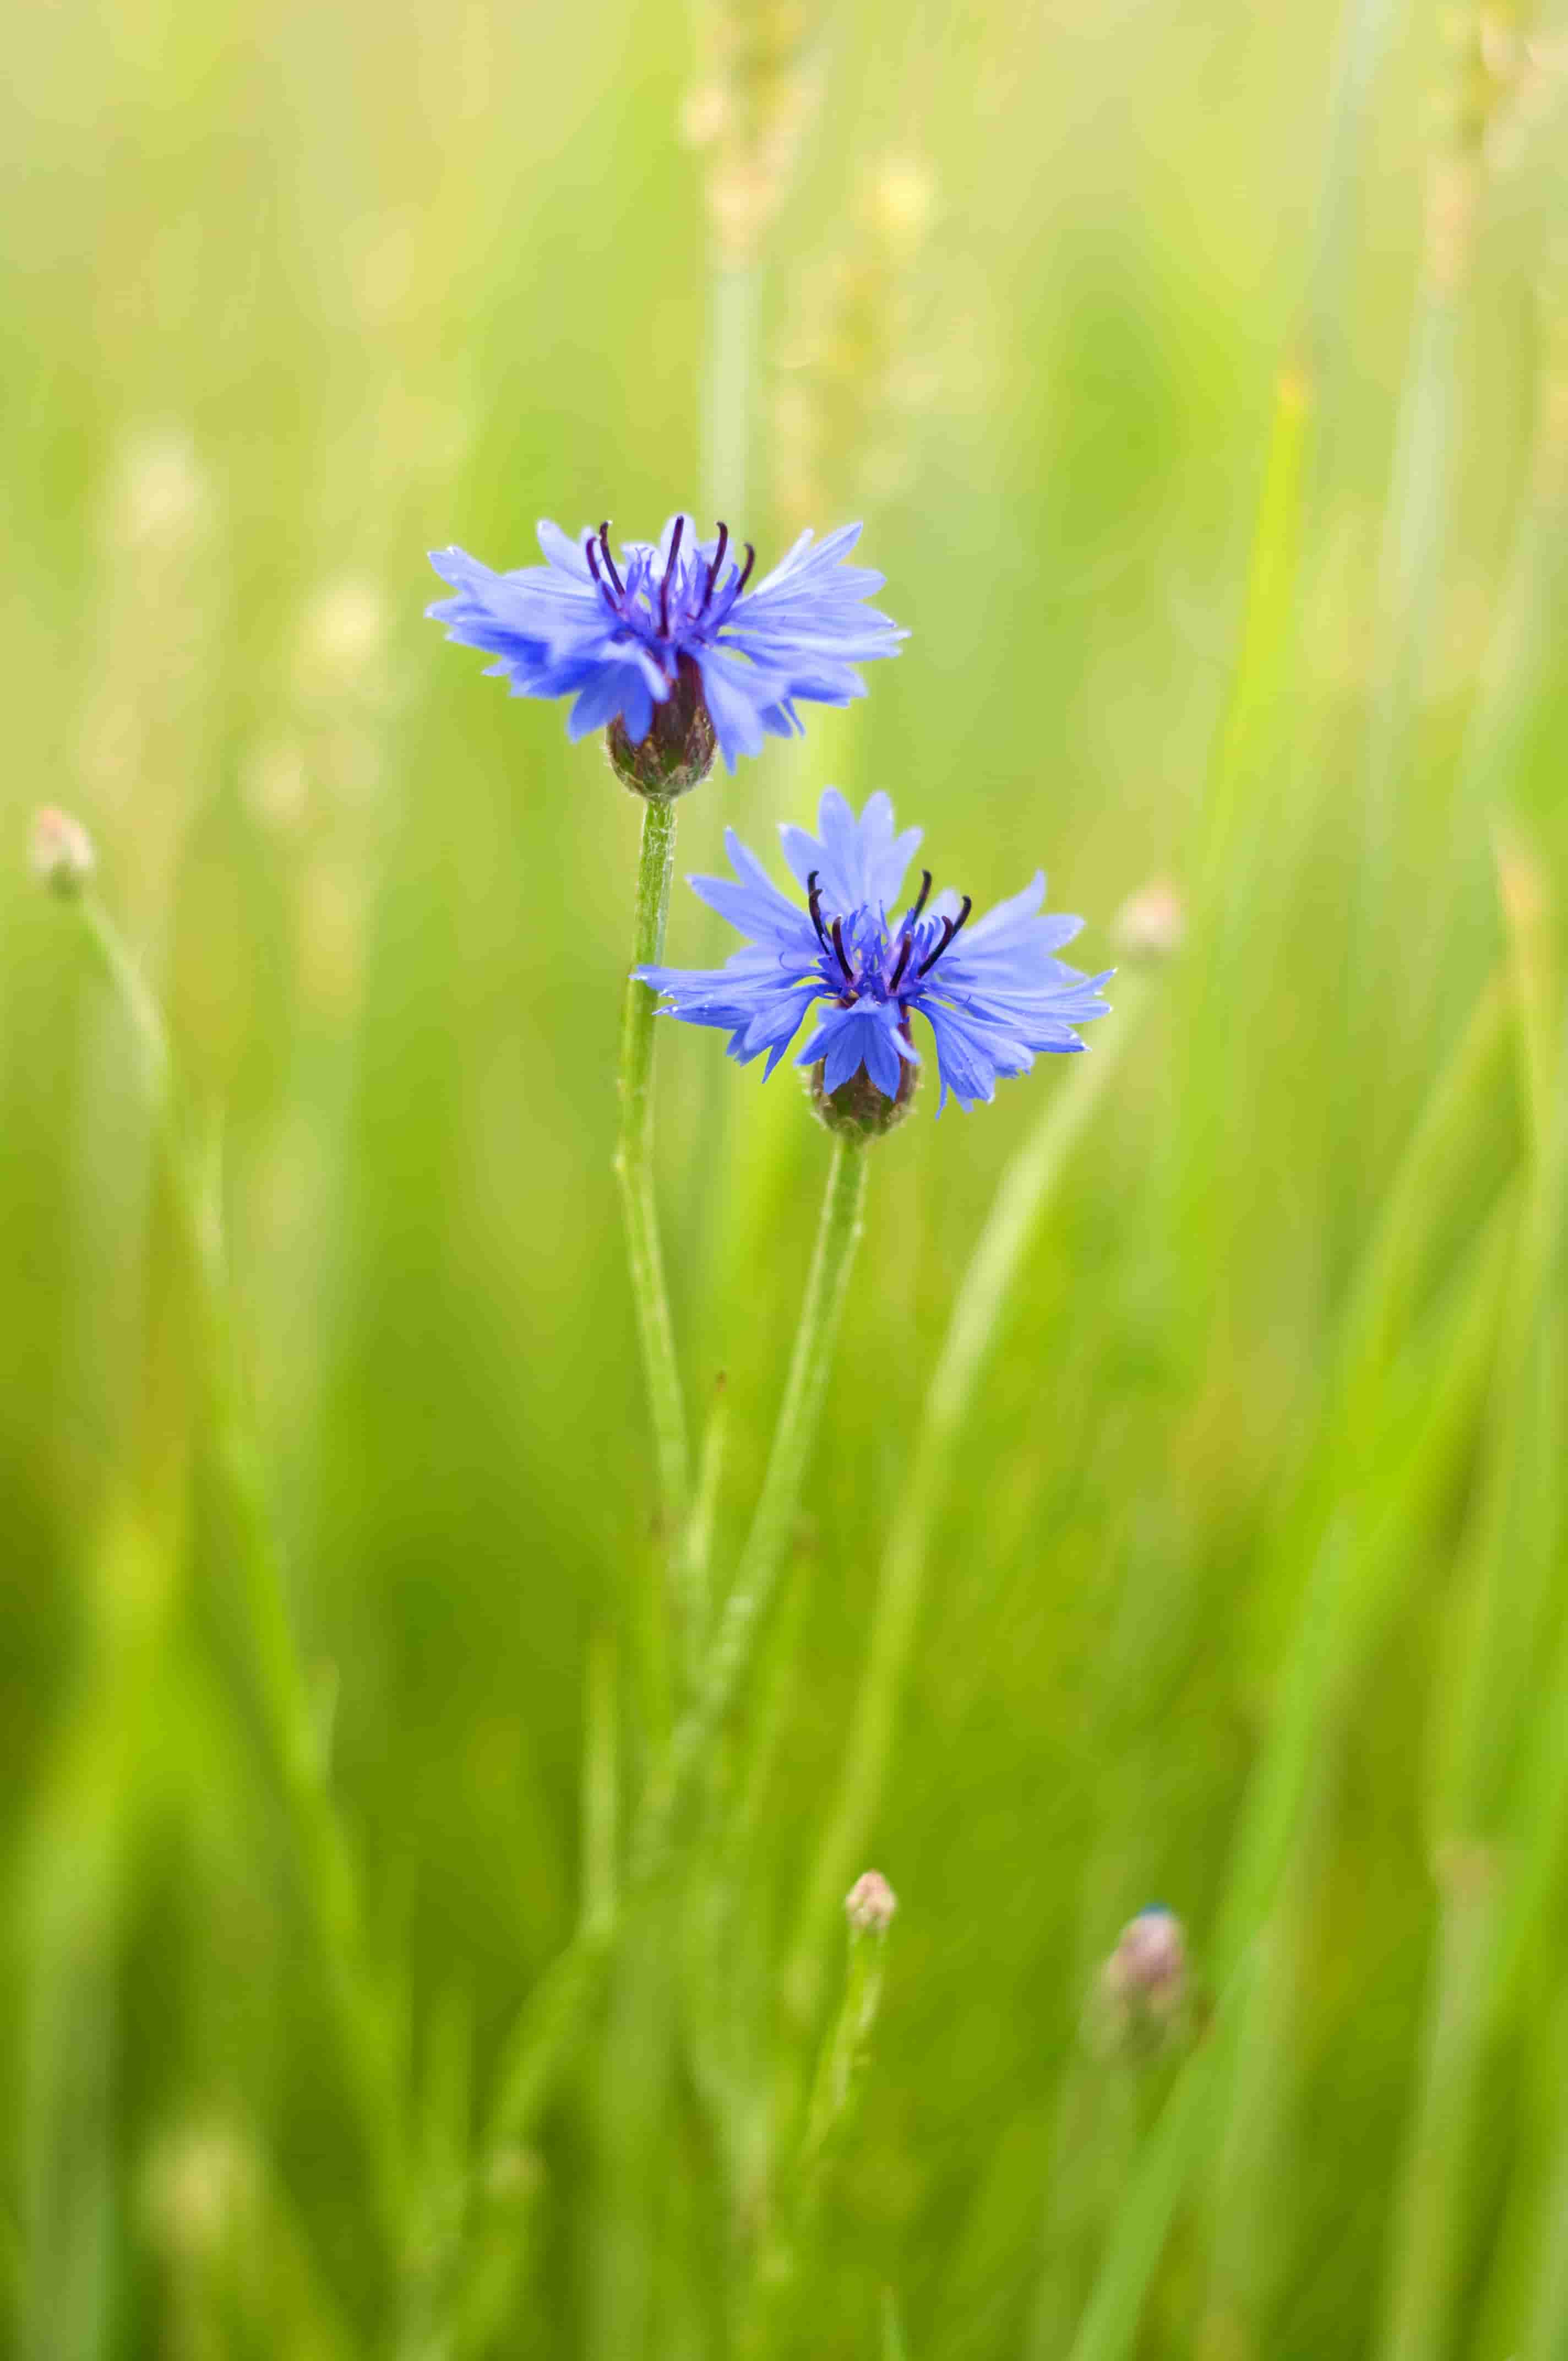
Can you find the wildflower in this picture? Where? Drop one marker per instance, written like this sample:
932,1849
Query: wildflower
869,1903
1140,1996
992,993
60,851
1149,926
664,644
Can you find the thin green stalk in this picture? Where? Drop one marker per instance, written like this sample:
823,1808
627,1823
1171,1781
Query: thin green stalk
554,2014
1348,1598
1185,2130
327,1879
1546,2332
978,1308
1352,1588
1425,462
1102,2113
828,2115
78,1876
756,1578
727,392
693,1562
1248,739
1495,1863
1428,445
634,1162
1432,2251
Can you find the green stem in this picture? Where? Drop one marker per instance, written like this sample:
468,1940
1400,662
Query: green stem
634,1163
726,393
1108,2329
552,2016
327,1879
982,1296
756,1578
827,2120
694,1559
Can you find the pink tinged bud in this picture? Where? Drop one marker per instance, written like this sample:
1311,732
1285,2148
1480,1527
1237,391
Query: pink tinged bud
1150,925
1140,1998
869,1903
1150,1955
60,852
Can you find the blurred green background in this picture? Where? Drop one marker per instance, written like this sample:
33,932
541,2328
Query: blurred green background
1202,377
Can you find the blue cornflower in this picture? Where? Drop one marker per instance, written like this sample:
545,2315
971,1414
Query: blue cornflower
993,993
669,642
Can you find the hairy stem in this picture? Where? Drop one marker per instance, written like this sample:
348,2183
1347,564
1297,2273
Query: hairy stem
634,1164
552,2016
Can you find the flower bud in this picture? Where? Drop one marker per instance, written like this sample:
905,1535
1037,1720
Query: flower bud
1149,927
1140,1998
199,2187
60,851
857,1108
869,1903
677,753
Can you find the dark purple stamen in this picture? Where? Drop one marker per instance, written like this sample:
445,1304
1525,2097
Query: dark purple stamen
669,570
920,904
814,903
726,606
893,980
609,562
837,933
713,570
591,553
949,928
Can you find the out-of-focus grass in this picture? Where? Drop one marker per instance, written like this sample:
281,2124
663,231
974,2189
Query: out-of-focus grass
1247,1591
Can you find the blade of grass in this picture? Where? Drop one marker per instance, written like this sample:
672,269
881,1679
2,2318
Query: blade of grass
979,1311
328,1882
551,2018
1490,1889
1185,2130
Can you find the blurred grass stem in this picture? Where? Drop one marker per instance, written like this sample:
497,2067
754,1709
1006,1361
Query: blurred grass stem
727,392
1188,2122
756,1578
978,1313
283,1691
554,2011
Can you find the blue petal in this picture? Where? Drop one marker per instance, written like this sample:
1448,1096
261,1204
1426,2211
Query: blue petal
561,550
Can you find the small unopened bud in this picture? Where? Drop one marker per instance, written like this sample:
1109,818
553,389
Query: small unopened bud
677,753
197,2187
1149,927
857,1107
60,851
869,1903
1523,885
513,2177
902,195
1140,1998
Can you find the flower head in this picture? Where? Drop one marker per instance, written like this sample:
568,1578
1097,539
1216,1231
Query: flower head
1139,2000
993,993
869,1903
60,851
669,631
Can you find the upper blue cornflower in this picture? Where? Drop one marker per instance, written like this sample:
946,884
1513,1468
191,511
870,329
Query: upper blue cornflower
622,637
992,993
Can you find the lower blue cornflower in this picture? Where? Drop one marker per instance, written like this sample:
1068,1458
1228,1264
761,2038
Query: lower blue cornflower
993,993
